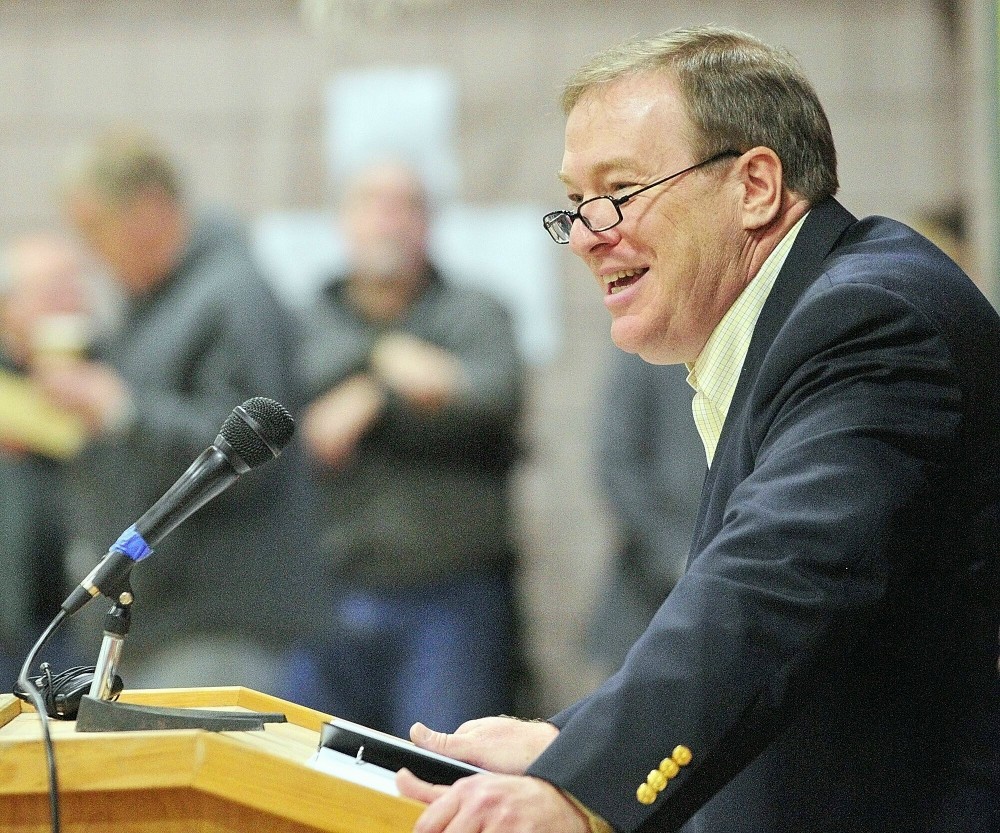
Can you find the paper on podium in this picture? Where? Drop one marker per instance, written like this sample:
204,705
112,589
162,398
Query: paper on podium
350,769
30,421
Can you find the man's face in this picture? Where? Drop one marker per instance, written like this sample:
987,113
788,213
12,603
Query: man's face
46,301
386,226
115,235
669,270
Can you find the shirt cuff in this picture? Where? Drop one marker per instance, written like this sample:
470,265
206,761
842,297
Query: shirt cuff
595,823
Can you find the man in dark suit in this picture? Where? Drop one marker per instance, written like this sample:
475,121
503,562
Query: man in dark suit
828,662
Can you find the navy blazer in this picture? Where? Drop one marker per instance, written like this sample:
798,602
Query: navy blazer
830,656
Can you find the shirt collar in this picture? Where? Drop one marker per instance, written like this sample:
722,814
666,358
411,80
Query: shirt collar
717,369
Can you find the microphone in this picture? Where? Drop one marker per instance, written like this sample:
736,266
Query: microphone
252,434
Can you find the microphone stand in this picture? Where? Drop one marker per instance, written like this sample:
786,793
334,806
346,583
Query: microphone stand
100,710
116,625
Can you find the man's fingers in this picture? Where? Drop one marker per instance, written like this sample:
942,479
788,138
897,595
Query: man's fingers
442,805
440,742
412,787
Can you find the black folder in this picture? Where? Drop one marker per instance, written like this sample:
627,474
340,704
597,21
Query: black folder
392,753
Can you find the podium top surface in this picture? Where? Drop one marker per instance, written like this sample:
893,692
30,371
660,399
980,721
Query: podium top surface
264,771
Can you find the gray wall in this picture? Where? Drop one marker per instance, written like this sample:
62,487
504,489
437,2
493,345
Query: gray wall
235,88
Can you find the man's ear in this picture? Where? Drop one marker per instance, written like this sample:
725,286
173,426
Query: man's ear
763,187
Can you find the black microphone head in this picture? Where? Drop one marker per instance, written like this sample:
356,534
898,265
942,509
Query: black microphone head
258,430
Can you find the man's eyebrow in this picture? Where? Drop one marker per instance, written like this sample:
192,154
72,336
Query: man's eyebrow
619,166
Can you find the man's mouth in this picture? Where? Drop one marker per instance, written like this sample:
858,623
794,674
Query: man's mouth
618,281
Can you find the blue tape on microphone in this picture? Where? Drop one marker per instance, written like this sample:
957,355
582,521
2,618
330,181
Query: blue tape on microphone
132,544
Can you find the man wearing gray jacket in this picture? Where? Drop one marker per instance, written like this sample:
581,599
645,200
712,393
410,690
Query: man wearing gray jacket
201,332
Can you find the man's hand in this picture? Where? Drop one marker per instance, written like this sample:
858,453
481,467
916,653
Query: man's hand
499,800
490,803
333,425
92,390
499,744
424,374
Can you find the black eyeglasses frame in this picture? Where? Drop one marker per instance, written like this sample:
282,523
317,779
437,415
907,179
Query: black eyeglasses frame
555,219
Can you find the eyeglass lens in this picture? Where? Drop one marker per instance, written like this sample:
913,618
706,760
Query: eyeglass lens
597,214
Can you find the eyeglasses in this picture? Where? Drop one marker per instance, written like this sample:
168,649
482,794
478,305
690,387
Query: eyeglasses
603,213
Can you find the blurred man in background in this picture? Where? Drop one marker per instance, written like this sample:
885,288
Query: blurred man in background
46,304
651,466
201,332
416,393
45,315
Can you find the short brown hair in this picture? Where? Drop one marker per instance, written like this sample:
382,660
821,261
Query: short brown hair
739,93
119,164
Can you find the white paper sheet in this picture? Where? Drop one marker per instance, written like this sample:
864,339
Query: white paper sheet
357,772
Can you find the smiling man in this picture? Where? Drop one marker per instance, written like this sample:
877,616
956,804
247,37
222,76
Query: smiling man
828,661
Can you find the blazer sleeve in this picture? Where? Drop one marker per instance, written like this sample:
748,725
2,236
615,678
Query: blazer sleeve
859,387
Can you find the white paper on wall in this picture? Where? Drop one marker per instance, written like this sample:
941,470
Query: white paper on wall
406,113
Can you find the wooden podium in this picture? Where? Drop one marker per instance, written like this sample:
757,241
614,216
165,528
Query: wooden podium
174,780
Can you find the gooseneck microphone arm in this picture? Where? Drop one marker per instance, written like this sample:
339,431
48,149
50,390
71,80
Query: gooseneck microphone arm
253,433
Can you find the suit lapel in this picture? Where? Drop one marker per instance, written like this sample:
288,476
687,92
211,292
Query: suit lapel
826,222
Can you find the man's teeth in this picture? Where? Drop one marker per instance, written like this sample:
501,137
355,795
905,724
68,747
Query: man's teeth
619,280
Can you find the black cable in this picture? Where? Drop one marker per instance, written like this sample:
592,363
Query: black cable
29,687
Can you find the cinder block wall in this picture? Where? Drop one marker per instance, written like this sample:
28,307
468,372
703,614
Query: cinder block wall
235,88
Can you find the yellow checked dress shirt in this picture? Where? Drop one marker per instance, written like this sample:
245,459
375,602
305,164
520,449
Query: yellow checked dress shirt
717,370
